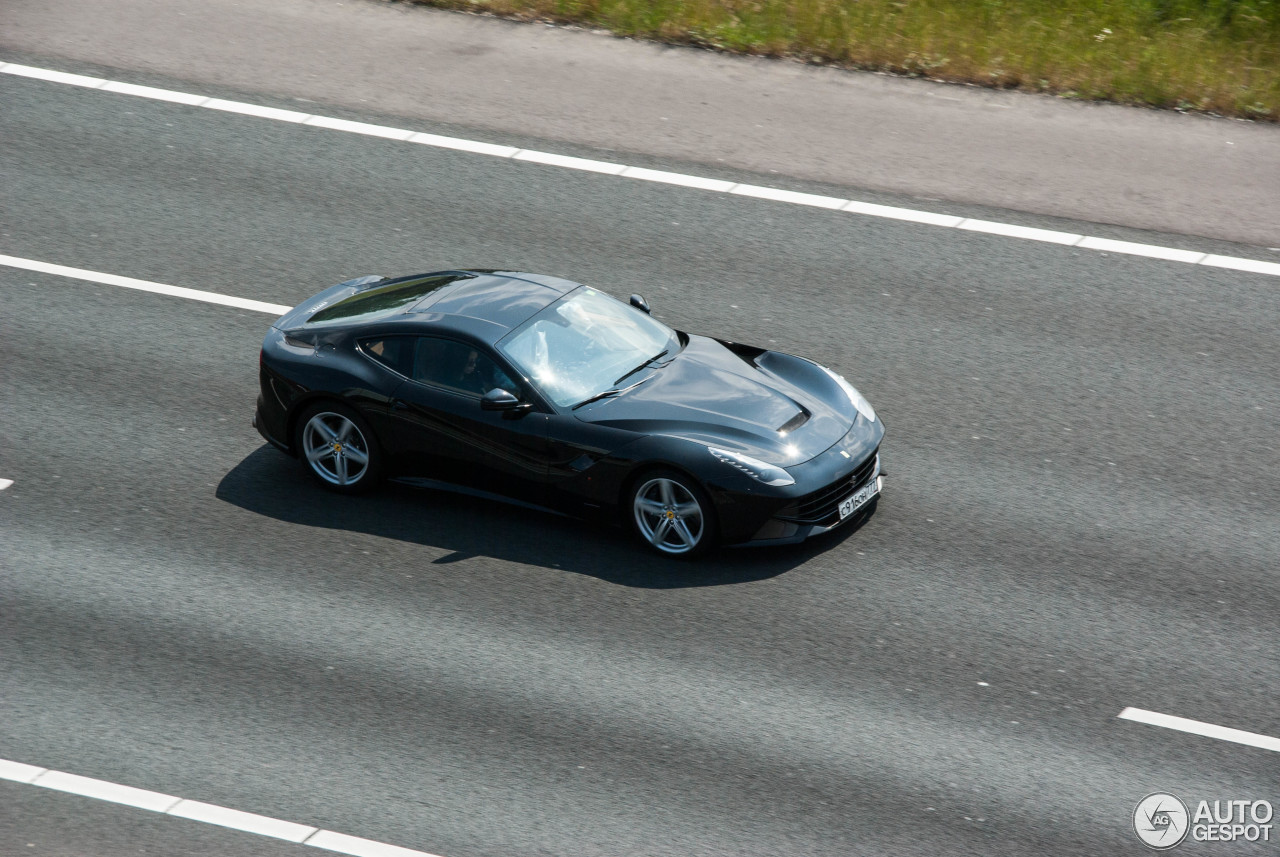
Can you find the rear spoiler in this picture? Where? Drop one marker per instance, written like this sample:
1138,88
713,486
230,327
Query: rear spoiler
331,295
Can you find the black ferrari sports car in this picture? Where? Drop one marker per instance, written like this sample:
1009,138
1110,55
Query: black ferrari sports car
541,391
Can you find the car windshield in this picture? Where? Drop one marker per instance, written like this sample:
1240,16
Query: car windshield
583,344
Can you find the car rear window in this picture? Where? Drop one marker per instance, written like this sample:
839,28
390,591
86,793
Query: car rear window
384,300
394,352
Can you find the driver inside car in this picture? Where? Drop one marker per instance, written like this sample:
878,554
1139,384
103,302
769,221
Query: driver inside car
480,375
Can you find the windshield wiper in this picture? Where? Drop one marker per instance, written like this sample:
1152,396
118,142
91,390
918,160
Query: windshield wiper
612,392
654,359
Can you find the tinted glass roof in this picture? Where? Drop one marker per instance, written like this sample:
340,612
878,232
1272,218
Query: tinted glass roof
383,300
492,297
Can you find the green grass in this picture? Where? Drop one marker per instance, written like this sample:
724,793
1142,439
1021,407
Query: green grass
1221,56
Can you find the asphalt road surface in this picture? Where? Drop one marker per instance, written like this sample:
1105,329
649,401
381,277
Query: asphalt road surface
1081,515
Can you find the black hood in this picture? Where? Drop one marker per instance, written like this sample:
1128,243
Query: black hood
710,395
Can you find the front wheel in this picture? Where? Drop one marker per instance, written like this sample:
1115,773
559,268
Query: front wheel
672,514
337,447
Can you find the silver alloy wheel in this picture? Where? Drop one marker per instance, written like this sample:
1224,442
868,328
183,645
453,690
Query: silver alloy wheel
668,516
335,448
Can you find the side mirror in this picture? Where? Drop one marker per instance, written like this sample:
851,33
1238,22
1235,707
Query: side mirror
640,303
499,399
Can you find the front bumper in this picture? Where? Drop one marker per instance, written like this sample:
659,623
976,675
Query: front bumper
788,529
751,513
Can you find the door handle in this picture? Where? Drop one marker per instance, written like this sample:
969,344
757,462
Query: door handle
397,405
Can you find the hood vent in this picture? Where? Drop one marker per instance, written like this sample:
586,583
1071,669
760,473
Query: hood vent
801,417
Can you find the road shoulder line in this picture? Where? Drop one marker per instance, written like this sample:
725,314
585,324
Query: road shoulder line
781,195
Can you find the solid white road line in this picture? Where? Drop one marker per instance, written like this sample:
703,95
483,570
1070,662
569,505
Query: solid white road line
196,811
473,146
246,821
1150,250
790,196
358,127
52,76
676,178
256,110
929,218
1196,727
1026,232
5,483
1240,264
152,92
949,221
103,790
18,772
143,285
568,162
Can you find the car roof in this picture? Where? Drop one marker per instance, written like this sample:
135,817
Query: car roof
504,299
478,304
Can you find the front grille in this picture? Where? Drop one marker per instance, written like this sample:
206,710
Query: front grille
817,506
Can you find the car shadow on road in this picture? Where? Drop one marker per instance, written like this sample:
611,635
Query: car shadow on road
269,483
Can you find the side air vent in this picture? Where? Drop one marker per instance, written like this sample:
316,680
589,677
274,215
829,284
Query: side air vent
794,423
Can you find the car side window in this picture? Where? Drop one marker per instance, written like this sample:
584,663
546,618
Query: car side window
394,352
457,366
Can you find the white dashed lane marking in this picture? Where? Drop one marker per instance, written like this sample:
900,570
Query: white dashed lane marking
1196,727
868,209
208,813
142,286
5,483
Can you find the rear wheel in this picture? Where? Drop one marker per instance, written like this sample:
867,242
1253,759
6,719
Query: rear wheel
672,514
336,446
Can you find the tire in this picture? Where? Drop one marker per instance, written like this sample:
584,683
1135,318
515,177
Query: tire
670,513
338,449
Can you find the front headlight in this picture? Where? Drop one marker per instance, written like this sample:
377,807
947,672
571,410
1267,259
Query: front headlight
859,401
753,467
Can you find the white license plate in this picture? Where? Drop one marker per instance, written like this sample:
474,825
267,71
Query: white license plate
859,499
